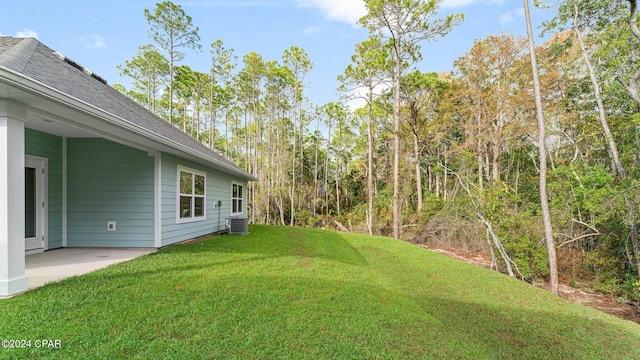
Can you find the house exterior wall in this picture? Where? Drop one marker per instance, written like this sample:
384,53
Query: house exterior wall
49,146
107,182
218,188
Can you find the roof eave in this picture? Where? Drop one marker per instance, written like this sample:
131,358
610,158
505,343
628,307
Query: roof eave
29,85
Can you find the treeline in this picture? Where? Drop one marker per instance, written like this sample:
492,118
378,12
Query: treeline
456,153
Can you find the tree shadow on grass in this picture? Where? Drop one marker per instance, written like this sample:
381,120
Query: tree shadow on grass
281,241
265,243
503,331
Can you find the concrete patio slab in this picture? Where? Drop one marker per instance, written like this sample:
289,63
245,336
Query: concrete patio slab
54,265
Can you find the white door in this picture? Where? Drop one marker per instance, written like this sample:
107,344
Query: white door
35,207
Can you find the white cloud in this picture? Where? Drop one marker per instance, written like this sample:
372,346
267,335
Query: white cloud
27,33
509,17
506,19
457,3
312,30
234,3
463,3
348,11
93,41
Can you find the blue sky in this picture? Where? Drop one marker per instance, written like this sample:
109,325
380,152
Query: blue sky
101,34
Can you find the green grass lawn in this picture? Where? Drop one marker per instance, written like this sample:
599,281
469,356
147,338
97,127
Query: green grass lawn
297,293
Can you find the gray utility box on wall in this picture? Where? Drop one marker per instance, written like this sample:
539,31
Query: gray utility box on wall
237,225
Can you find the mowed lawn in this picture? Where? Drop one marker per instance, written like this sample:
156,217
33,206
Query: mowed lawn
291,293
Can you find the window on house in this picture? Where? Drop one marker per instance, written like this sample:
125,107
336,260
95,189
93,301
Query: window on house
192,194
236,199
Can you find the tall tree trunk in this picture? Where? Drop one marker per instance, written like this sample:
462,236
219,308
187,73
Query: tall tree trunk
339,167
152,101
326,171
444,174
293,167
246,140
495,163
326,181
257,141
633,90
315,172
542,156
337,194
212,114
226,134
184,120
149,87
301,170
596,92
396,141
269,174
370,174
416,154
438,175
171,87
430,178
634,83
237,142
212,130
480,159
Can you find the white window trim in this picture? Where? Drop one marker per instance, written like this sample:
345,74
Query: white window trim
244,191
180,220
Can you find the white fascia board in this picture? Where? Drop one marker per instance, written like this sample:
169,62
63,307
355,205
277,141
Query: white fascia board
28,85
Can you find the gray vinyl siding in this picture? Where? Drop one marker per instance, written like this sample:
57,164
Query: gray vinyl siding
218,187
107,181
49,146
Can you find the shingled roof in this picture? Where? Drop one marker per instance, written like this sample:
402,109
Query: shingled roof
35,61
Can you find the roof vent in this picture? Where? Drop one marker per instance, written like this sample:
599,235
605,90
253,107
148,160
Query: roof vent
99,78
79,67
59,55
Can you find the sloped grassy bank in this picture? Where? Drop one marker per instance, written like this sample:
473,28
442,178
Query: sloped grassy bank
297,293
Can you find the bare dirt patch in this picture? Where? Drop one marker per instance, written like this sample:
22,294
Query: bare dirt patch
584,297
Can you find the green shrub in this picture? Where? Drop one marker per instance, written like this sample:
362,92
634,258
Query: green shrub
605,268
630,289
302,218
529,256
520,235
431,206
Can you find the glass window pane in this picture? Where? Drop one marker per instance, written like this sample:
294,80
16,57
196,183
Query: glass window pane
235,191
239,191
185,206
186,183
199,206
29,202
199,185
234,206
239,205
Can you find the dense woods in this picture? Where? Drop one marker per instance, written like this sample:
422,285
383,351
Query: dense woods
443,158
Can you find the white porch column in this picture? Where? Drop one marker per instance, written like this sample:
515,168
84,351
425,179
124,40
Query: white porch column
12,276
157,198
